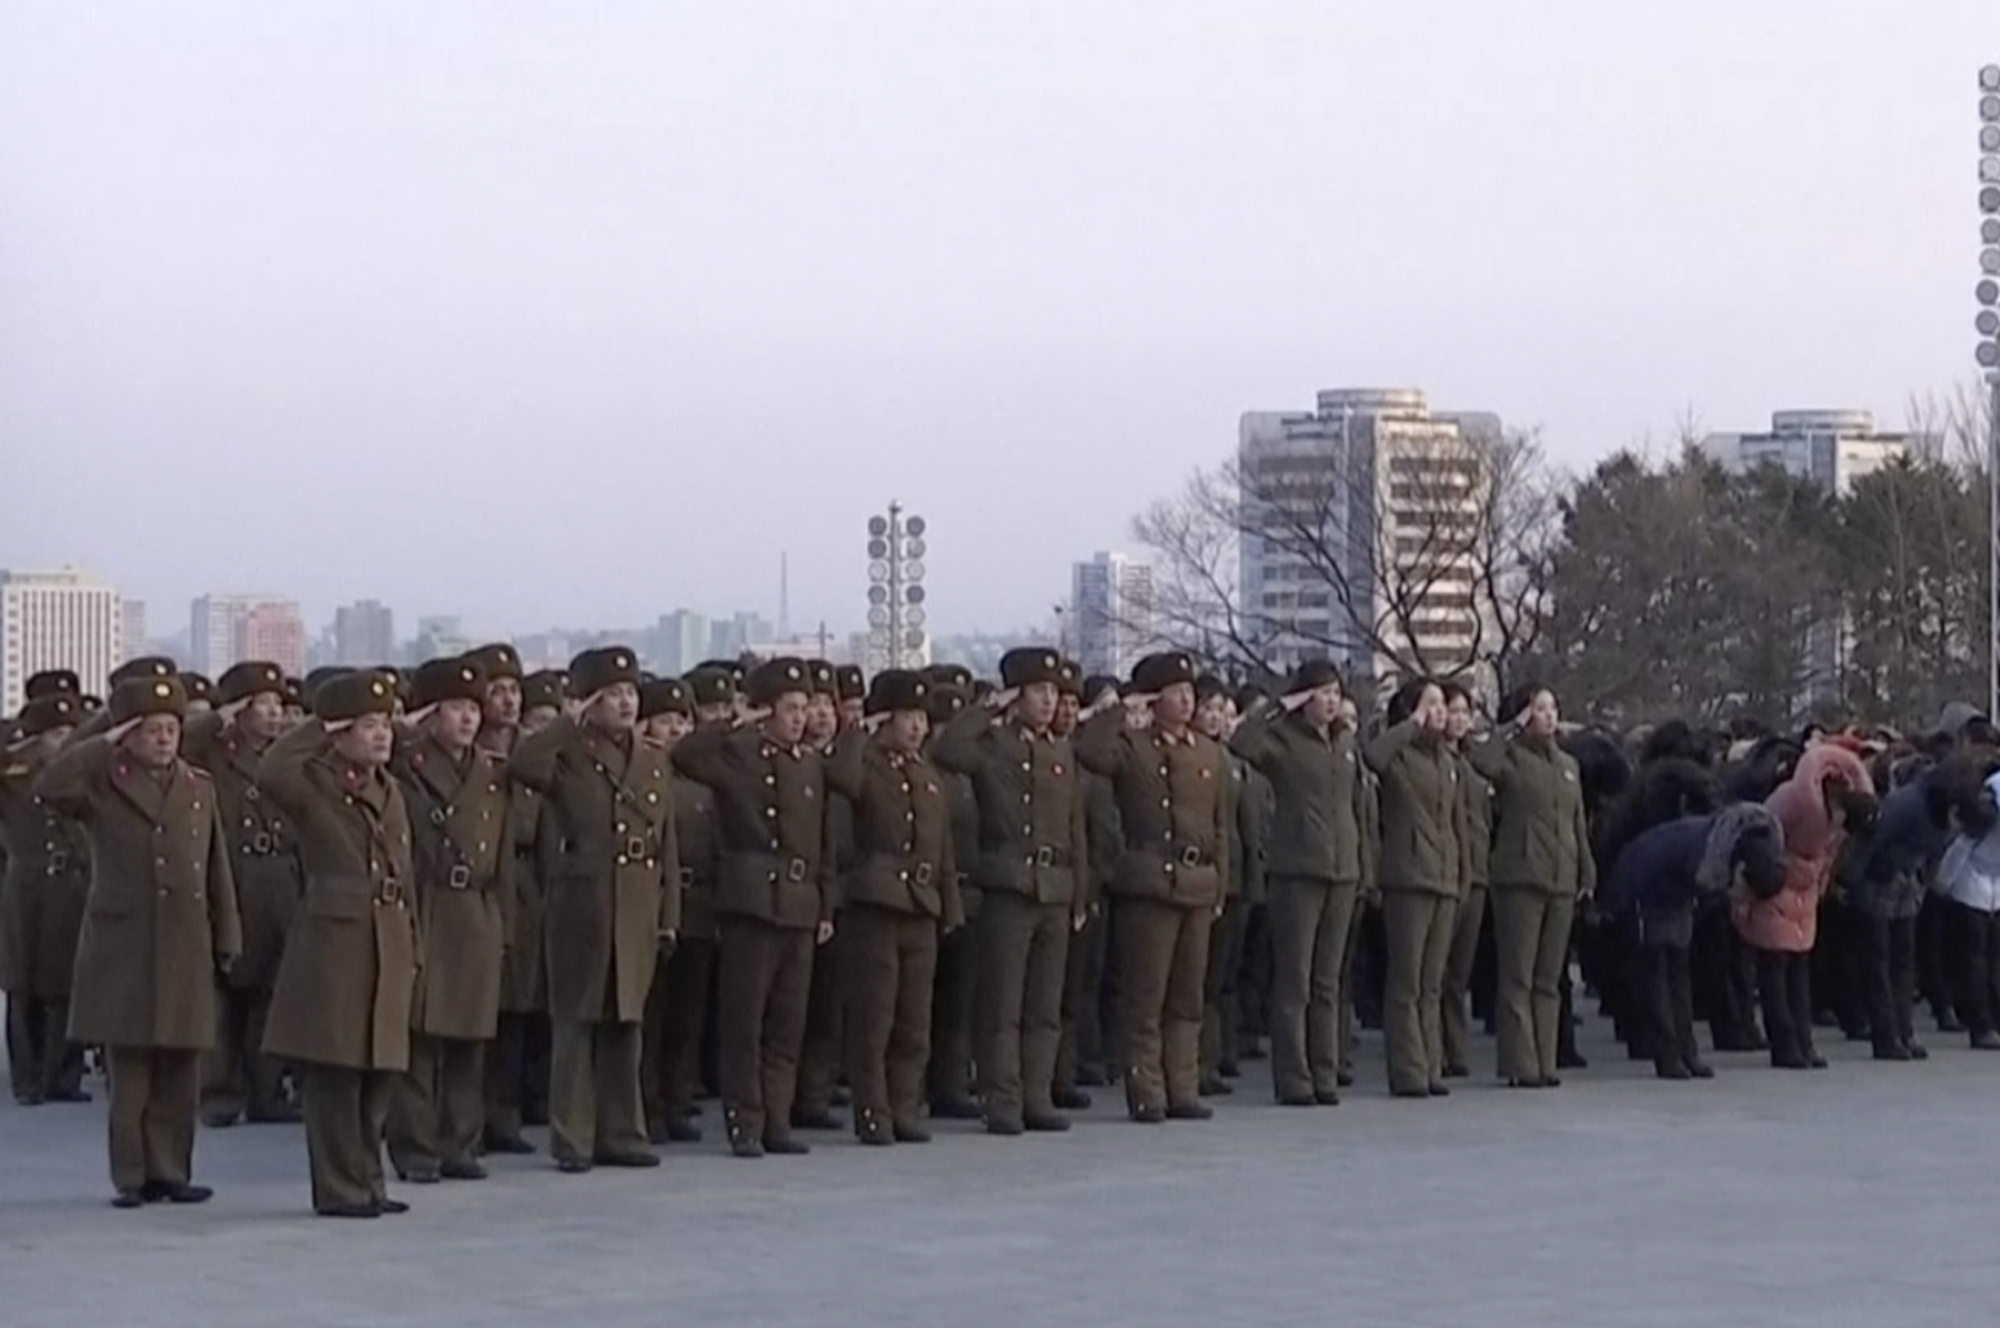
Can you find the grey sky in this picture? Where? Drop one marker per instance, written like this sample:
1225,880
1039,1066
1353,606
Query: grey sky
663,288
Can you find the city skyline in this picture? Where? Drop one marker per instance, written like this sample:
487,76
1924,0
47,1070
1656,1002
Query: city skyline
1015,273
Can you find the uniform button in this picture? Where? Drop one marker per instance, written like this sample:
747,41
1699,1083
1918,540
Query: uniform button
621,827
770,811
1027,765
774,875
1166,802
770,779
1027,797
902,876
163,894
621,859
774,849
1170,868
197,894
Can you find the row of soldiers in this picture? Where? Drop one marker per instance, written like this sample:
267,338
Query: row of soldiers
439,904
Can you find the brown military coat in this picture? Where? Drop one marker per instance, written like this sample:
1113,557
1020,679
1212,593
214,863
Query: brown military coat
459,850
694,835
1541,839
523,983
902,856
43,888
348,977
263,852
1033,839
162,911
1173,808
612,874
770,804
1422,810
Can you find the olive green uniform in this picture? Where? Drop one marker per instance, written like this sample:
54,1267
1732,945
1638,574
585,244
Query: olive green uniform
43,893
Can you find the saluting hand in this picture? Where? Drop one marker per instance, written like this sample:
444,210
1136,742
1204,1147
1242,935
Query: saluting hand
824,933
116,733
1002,698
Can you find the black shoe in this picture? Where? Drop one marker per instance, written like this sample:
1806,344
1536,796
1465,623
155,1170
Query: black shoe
909,1132
68,1095
1439,1090
128,1199
1789,1061
463,1168
818,1118
1892,1051
783,1145
218,1120
1701,1069
656,1132
1672,1070
348,1210
391,1207
1149,1114
1949,1022
175,1192
572,1166
956,1108
1229,1070
634,1158
1918,1051
1005,1126
1550,1081
31,1097
1326,1097
1039,1122
286,1115
1571,1060
1089,1076
1345,1078
1457,1072
1987,1041
426,1175
746,1145
512,1144
1411,1093
1815,1060
1298,1099
1071,1099
683,1131
1535,1082
1190,1111
873,1130
1214,1088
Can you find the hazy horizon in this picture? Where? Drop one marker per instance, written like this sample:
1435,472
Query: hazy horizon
652,294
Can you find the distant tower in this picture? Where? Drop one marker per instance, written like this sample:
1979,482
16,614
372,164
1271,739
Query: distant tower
784,596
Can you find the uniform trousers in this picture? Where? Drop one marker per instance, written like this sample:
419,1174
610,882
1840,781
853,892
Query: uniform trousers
41,1060
1080,1055
1455,1015
1310,920
517,1074
1416,929
595,1109
888,966
676,1011
155,1096
438,1111
764,978
1162,968
1531,930
820,1053
238,1079
1023,958
346,1113
1222,1011
954,1007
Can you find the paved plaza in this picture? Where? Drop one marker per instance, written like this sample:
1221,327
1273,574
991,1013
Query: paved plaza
1866,1195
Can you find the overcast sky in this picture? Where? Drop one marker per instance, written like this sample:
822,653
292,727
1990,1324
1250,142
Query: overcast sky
575,312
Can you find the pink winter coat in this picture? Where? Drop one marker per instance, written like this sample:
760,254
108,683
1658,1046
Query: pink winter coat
1790,921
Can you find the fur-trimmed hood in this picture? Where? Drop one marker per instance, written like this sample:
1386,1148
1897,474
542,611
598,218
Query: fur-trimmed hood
1725,830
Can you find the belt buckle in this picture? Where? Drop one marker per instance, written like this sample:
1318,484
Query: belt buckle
58,862
390,891
635,847
795,870
923,876
460,877
261,842
1190,856
437,816
687,876
1045,856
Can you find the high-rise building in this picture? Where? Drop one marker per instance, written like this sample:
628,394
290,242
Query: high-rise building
57,620
741,632
132,628
1360,526
364,633
439,636
1833,448
681,641
1111,599
216,633
274,630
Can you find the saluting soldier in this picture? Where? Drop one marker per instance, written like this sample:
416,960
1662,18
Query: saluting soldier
954,1008
1170,884
340,1011
161,922
850,691
820,1053
456,792
678,1008
200,691
1032,881
899,890
1080,1054
612,888
239,1079
42,898
770,895
1317,861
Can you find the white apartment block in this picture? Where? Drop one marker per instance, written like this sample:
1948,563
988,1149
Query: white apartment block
1834,448
1111,598
1360,529
57,620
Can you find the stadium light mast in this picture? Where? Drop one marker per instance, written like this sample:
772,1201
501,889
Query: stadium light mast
895,588
1987,352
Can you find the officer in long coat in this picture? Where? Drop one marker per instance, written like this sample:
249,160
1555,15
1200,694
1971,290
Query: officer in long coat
340,1011
238,1079
677,1007
457,796
612,904
42,896
771,897
161,922
1170,883
896,896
